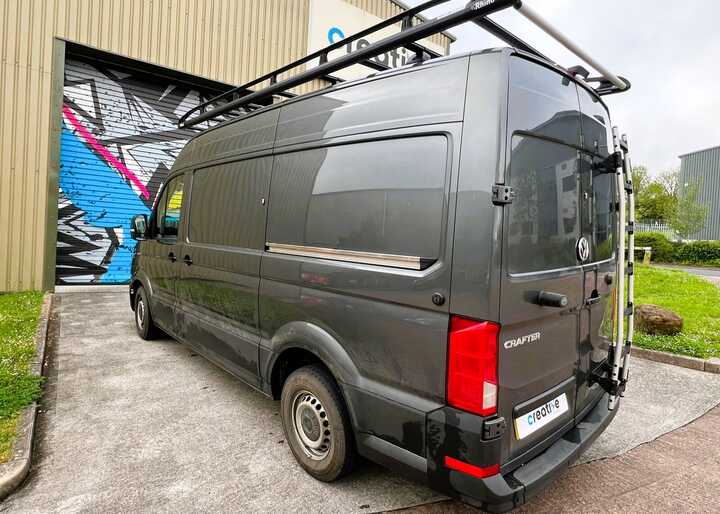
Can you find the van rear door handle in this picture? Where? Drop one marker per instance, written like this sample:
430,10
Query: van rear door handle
187,260
550,299
592,300
172,257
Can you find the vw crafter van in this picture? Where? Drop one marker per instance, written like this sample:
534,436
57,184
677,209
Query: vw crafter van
423,265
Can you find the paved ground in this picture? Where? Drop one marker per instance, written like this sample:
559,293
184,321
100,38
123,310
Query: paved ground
129,425
711,274
677,473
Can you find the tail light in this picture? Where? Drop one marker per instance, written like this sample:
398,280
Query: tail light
472,365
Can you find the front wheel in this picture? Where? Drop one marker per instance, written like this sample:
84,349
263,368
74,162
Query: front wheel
144,324
317,427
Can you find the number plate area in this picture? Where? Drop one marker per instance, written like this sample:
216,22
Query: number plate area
541,416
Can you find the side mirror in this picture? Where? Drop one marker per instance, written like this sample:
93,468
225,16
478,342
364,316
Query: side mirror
138,227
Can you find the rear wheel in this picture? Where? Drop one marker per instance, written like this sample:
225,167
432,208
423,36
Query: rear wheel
143,319
317,427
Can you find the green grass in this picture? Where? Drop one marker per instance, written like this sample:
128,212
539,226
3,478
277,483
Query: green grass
693,298
19,314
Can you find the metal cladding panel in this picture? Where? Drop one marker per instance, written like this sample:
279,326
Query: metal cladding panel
704,168
386,9
119,141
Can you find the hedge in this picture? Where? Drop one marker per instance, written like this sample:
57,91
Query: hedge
662,249
695,252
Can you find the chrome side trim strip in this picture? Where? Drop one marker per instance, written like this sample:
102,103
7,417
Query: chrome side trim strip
379,259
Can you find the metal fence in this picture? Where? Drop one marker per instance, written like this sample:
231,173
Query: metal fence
656,226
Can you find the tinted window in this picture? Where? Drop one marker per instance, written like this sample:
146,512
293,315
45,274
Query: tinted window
169,207
603,205
225,208
544,217
384,196
597,135
543,101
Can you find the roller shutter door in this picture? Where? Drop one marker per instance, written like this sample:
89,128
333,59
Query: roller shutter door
119,140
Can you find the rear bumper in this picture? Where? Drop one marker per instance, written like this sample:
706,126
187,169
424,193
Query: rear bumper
500,493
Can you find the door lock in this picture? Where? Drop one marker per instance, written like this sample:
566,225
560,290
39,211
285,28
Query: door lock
187,260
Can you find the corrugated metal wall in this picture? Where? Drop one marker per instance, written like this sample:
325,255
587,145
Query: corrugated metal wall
229,41
704,167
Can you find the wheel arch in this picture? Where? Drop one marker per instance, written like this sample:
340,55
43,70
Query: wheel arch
297,344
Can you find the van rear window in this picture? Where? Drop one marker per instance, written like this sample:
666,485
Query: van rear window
544,218
380,196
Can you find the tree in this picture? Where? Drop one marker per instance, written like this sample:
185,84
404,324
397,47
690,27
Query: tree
690,215
655,199
639,178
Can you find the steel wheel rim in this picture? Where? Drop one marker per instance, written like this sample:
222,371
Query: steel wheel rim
311,425
140,313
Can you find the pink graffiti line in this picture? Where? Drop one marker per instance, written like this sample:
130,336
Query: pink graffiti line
110,158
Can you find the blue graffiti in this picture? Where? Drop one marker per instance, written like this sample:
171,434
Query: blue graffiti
106,198
335,31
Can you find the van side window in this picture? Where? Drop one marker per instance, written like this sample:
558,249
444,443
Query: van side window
544,218
362,197
225,208
169,207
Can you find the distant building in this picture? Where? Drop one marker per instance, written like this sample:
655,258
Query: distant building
703,166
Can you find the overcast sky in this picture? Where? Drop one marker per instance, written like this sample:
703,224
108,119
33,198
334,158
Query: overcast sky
669,50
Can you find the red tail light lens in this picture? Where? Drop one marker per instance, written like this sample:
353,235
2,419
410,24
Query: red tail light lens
472,365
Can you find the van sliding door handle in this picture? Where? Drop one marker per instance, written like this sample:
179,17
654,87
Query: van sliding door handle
550,299
187,260
171,257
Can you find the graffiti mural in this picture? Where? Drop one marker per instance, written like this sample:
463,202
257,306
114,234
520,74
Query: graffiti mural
119,141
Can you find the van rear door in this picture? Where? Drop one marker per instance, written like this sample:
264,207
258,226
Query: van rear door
598,222
543,281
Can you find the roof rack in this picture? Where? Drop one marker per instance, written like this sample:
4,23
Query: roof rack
246,99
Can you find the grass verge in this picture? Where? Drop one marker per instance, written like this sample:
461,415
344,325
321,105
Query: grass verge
19,314
693,298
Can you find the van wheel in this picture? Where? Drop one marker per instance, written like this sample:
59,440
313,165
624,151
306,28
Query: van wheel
143,319
316,424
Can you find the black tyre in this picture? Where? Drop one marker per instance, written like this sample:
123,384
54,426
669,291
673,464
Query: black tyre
316,424
143,319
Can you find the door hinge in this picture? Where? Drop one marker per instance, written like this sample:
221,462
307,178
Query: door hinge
502,194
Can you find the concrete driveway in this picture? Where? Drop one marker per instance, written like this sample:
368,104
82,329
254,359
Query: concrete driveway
128,425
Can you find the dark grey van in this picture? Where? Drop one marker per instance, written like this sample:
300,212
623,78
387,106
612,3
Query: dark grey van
419,265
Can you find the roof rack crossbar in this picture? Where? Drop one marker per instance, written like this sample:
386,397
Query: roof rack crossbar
476,11
561,38
508,37
322,55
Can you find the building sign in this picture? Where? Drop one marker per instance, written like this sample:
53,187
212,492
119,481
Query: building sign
334,20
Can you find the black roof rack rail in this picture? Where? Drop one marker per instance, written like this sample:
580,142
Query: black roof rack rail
243,97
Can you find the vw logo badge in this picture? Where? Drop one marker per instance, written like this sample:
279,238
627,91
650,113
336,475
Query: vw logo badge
583,249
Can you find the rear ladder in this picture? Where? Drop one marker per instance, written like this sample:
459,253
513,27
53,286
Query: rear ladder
619,355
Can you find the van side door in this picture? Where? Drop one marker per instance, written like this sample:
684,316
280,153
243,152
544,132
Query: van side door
161,252
220,263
